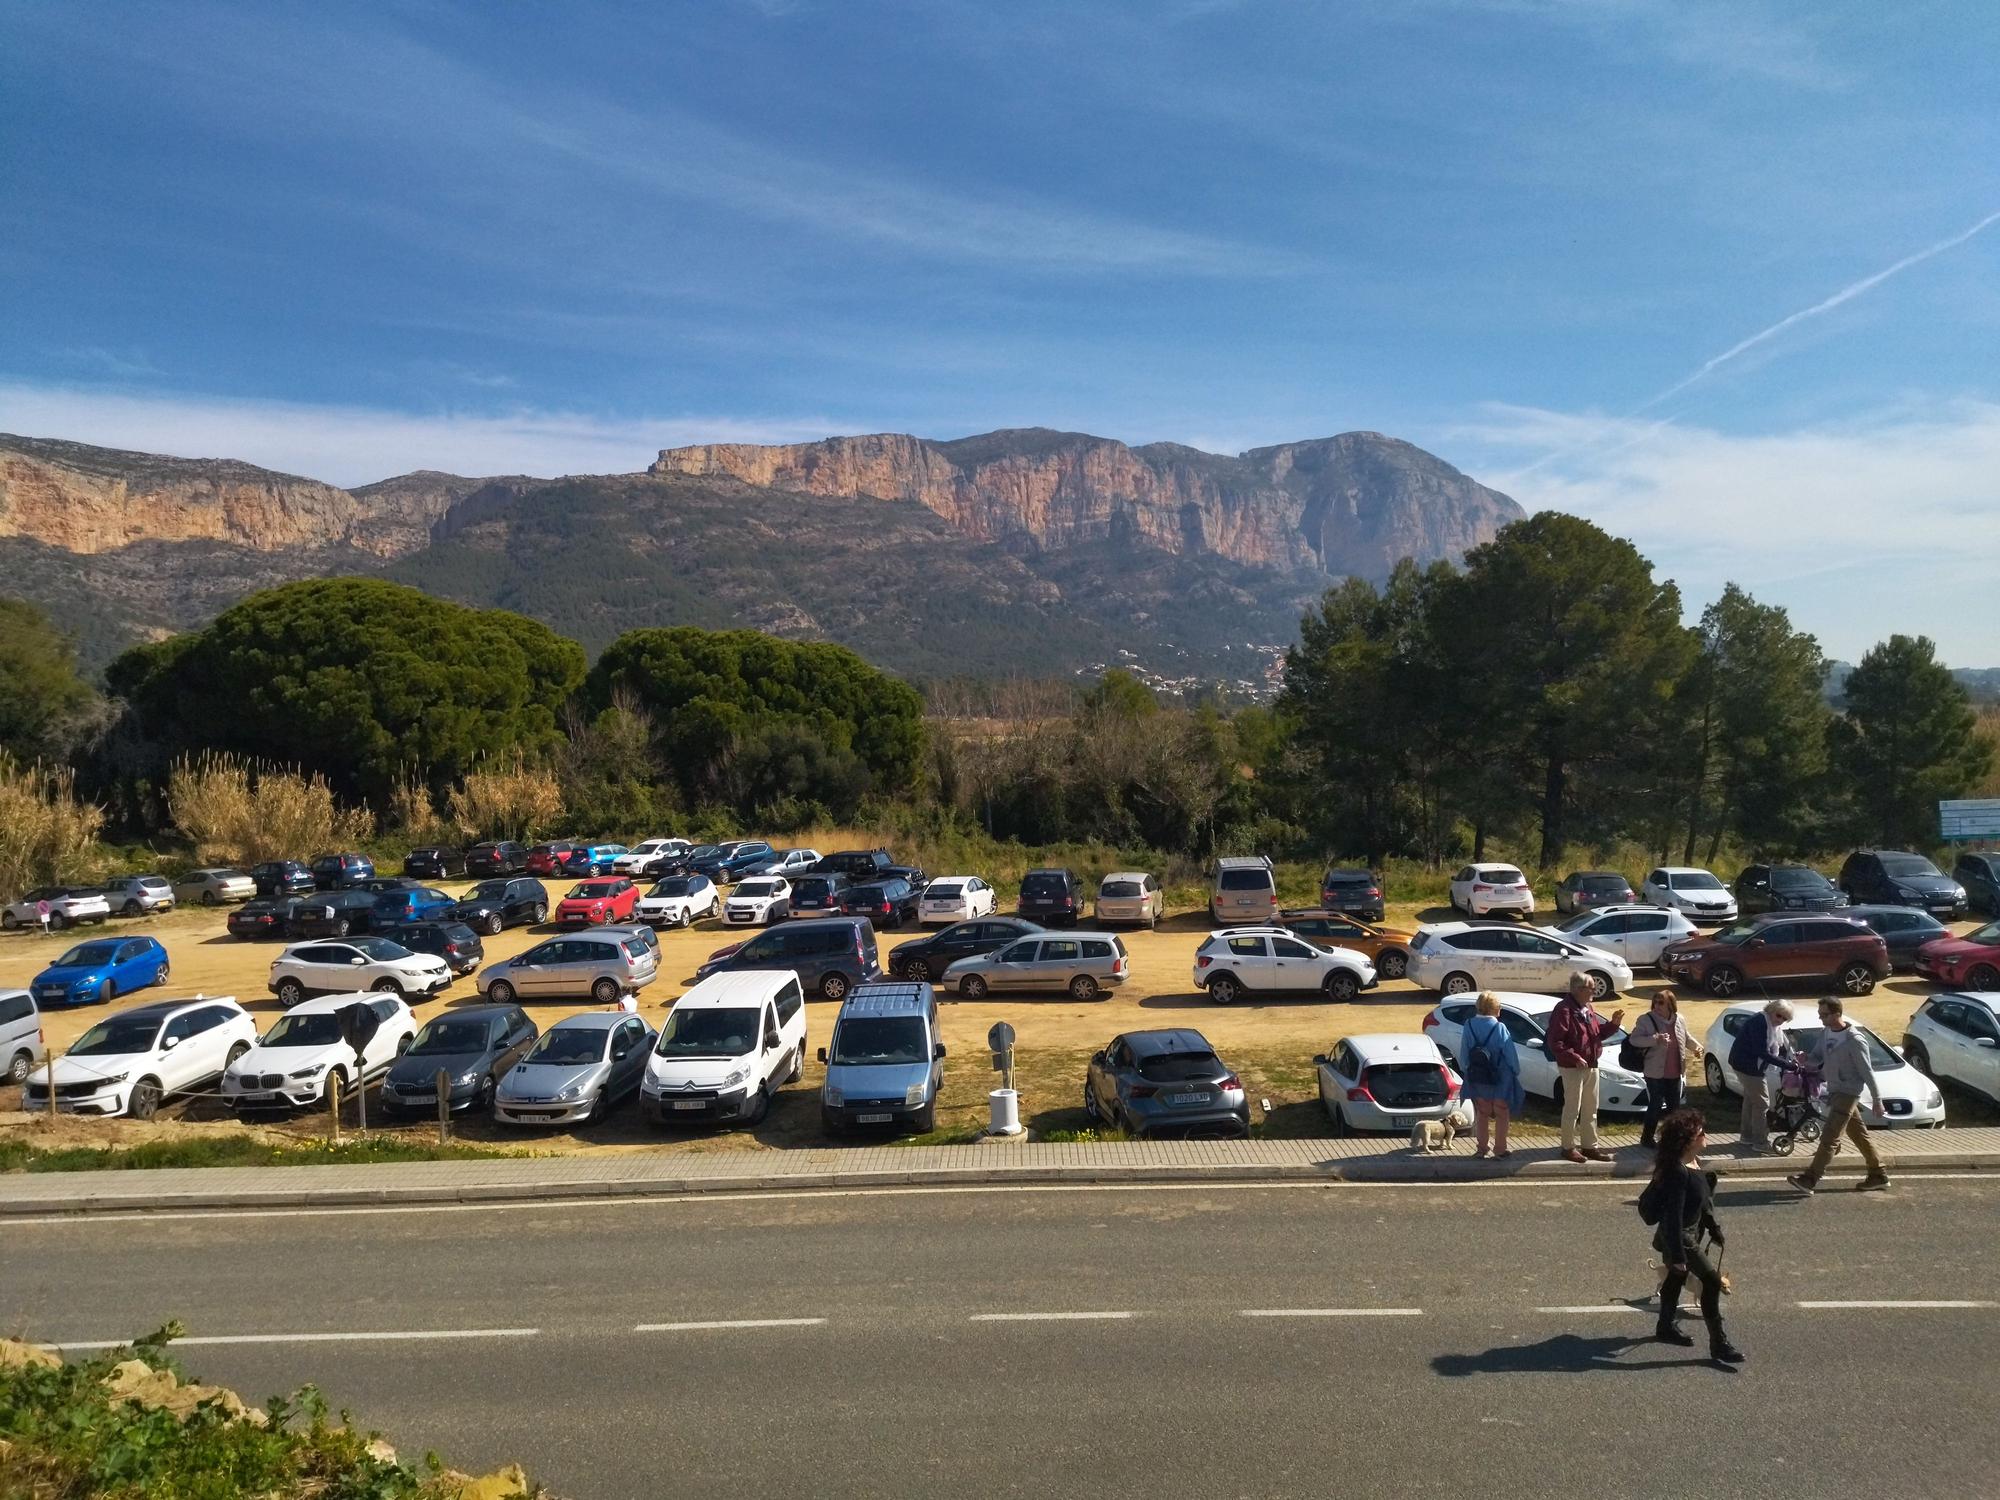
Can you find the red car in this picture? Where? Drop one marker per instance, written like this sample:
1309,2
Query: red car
1971,962
597,901
555,859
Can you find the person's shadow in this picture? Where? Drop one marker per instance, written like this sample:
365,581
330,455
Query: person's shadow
1562,1354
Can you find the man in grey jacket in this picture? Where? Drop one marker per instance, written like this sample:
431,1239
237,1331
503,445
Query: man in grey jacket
1843,1065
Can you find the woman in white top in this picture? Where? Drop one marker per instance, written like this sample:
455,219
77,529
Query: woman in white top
1662,1036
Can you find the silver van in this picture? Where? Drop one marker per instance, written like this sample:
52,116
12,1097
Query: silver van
603,965
886,1062
20,1035
1086,964
1244,893
1131,896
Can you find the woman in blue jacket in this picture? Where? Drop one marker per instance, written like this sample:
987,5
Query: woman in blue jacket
1492,1072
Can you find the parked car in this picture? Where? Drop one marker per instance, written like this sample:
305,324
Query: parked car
786,862
330,872
731,861
831,955
726,1048
383,885
855,864
1242,892
68,905
282,877
1354,893
423,903
266,917
558,858
578,1070
1386,948
1954,1037
926,958
367,963
677,900
100,970
817,894
504,901
885,903
212,887
637,859
1482,890
1979,873
1887,877
1130,896
294,1064
434,862
1085,964
1905,929
603,965
1165,1083
602,859
498,857
1908,1097
1971,962
1696,894
1052,897
1387,1081
473,1047
1778,948
639,932
128,1063
1637,934
885,1062
454,942
21,1040
332,913
758,901
956,898
1580,890
1526,1017
138,895
1785,888
1256,961
592,903
1457,958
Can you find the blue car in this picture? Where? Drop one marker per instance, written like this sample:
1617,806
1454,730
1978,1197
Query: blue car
418,903
101,970
602,856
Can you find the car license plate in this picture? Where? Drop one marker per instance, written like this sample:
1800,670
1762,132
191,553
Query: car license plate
690,1104
1193,1098
877,1119
257,1098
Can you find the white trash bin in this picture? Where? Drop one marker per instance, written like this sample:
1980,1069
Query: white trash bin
1003,1112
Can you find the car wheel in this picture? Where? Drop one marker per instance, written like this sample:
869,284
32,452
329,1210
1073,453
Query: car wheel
492,925
1457,984
129,909
290,992
605,992
1856,979
19,1069
209,898
540,914
387,987
1342,986
1983,978
798,1068
145,1100
972,987
917,970
1712,1071
1090,1110
1601,983
1915,1055
1083,987
760,1106
1393,964
57,921
1336,1121
833,986
340,927
500,992
486,1094
109,993
926,1118
160,974
715,910
236,1051
1724,980
1223,989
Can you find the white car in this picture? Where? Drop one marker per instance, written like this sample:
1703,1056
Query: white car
293,1063
1526,1018
1456,958
677,900
1239,961
1386,1081
1695,893
337,966
1957,1036
1637,934
1910,1097
67,905
127,1063
758,901
726,1048
643,853
956,898
1481,890
214,886
788,862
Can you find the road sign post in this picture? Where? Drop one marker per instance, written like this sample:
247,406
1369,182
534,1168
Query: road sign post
1003,1105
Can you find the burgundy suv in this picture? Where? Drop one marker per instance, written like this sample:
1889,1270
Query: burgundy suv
1782,948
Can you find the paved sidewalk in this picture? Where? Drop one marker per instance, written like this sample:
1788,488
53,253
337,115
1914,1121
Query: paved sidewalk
528,1179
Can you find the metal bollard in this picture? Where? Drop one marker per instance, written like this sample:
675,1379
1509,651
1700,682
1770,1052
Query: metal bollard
444,1107
333,1103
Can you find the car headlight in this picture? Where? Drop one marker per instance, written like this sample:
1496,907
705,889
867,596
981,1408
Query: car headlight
1958,892
833,1097
466,1079
914,1095
736,1076
313,1072
112,1078
573,1091
1936,1100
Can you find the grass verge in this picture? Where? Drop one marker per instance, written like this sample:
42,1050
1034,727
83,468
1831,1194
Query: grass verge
17,1155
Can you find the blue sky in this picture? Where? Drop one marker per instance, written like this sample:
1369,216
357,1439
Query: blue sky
353,240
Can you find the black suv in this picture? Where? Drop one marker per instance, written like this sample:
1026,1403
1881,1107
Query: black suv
1980,875
817,895
1785,888
502,857
857,865
1053,898
1356,892
434,862
332,871
1888,877
331,914
282,877
884,903
454,942
925,959
831,955
494,904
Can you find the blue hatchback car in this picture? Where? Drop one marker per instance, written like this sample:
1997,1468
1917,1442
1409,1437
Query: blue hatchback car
101,970
420,903
601,857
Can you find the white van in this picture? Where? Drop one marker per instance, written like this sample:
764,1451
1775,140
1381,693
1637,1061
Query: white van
726,1047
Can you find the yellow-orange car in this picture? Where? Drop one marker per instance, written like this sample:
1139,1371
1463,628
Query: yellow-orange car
1387,948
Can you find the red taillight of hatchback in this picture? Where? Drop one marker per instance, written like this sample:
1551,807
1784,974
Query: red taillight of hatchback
1118,965
1359,1094
1450,1083
1202,960
1231,1081
1480,885
1431,1020
1143,1091
1374,893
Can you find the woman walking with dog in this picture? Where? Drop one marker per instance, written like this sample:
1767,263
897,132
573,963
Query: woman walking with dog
1680,1201
1663,1046
1492,1074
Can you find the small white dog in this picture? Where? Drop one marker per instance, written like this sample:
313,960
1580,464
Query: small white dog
1431,1136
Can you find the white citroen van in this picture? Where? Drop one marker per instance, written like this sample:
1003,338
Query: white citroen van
725,1048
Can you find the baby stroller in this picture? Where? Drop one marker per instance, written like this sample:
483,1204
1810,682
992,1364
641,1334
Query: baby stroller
1799,1111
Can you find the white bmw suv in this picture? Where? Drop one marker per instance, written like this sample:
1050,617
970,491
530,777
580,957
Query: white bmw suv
293,1063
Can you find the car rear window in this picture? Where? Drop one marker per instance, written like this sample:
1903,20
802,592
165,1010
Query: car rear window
1499,875
1246,880
943,892
634,948
1347,880
1120,888
1601,883
1179,1067
1406,1085
1043,885
1096,950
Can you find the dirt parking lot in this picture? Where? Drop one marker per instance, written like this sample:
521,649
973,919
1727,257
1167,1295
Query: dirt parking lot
1271,1042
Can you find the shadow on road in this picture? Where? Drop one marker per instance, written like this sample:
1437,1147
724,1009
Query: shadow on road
1563,1354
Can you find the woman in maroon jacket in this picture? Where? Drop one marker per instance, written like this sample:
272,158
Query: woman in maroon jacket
1576,1040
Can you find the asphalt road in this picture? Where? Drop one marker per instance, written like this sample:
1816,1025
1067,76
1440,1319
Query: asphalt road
1259,1341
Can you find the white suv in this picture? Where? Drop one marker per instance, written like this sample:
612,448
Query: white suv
643,853
1239,961
758,901
1696,894
293,1062
127,1063
1637,934
1481,890
346,964
67,905
1957,1037
676,900
1455,958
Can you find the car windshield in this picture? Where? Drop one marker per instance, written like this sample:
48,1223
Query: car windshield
592,890
1600,882
875,1041
320,1029
488,890
1694,880
1990,933
1907,866
1116,888
571,1045
1797,880
816,889
1735,932
87,955
705,851
1042,885
951,891
1179,1067
1578,922
1245,880
380,948
445,1035
757,888
675,885
1808,1038
119,1034
708,1032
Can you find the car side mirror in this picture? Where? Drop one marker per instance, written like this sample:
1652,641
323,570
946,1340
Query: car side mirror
357,960
1754,943
619,1054
1097,1058
938,1050
1987,1041
822,1054
1319,1059
770,1039
170,1043
1537,1043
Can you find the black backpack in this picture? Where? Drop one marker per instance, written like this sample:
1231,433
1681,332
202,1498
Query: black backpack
1482,1060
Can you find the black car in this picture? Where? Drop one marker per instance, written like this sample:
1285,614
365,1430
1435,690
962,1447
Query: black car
1903,928
926,958
1355,892
330,872
282,877
1581,890
1980,875
454,942
885,903
1786,888
816,894
434,862
831,955
1890,877
856,865
499,857
509,902
912,873
472,1046
266,917
331,914
1053,898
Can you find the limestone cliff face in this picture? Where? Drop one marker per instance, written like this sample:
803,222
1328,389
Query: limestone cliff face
1356,503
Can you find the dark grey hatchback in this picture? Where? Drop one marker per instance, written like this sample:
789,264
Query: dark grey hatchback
471,1046
1166,1083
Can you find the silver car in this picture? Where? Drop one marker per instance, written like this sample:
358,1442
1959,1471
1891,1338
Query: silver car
1131,896
136,895
603,965
1086,964
215,886
580,1068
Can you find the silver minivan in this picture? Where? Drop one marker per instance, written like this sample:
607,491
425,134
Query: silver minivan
603,965
1086,964
886,1062
1130,896
20,1035
1245,893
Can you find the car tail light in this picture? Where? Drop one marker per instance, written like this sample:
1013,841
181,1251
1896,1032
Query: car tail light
1230,1081
1374,892
1360,1092
1450,1083
1202,961
1478,885
1118,965
885,908
1431,1020
1069,901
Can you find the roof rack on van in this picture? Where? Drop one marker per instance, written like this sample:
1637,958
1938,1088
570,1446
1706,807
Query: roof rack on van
891,998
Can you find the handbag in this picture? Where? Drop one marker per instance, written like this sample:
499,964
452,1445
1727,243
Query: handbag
1631,1056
